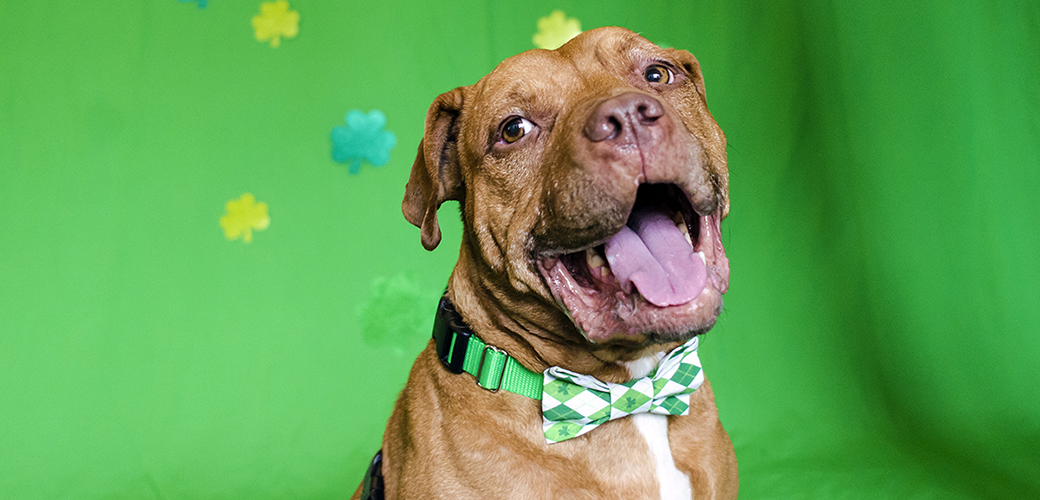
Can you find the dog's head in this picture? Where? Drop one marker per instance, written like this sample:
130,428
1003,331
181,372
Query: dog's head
592,176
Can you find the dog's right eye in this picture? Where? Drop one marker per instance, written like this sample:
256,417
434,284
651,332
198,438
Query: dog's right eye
515,128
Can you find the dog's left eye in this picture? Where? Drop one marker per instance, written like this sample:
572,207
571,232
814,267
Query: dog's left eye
656,73
515,128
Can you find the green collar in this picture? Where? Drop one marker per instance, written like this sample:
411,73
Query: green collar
572,403
462,351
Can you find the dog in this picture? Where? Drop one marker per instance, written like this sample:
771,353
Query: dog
592,182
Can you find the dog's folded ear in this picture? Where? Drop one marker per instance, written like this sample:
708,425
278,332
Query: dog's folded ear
435,176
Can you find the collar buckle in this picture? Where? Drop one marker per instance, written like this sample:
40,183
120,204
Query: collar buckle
451,349
453,339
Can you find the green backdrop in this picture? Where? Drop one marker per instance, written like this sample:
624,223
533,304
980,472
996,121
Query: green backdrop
880,338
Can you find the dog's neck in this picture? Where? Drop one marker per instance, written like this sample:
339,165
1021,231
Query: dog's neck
539,341
644,365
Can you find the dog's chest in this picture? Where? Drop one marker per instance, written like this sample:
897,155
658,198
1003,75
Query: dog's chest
674,484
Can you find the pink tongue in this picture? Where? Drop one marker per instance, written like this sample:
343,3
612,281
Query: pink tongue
653,254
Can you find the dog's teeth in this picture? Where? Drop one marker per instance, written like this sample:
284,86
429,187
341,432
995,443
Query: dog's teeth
703,259
680,223
593,259
679,220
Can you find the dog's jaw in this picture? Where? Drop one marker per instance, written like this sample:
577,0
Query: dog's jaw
604,310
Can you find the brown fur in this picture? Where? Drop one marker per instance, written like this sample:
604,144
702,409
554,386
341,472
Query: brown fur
553,194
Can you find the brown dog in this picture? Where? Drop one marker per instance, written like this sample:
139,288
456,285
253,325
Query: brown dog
565,163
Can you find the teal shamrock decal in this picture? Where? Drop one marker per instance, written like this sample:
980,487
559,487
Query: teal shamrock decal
202,3
364,137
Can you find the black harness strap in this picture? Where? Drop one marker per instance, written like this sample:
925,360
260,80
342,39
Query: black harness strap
372,488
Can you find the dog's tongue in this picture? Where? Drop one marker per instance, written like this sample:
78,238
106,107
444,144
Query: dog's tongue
652,254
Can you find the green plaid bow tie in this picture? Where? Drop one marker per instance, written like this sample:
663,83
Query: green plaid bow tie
573,404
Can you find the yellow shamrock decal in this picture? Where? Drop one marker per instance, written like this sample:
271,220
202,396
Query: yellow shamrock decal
243,216
274,21
555,30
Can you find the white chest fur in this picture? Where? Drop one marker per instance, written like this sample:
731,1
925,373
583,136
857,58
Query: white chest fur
674,484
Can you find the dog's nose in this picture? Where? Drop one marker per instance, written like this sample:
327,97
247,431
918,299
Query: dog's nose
617,115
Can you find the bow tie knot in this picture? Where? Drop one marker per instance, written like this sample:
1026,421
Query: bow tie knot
573,404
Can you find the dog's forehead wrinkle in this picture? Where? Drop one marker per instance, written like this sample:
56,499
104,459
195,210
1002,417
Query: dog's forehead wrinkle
537,91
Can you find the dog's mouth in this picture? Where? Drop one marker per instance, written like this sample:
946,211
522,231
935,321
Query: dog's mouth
658,279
